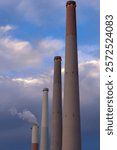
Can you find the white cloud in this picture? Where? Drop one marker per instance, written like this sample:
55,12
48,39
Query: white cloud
88,52
89,82
41,80
88,71
50,46
28,81
15,53
6,28
32,86
18,54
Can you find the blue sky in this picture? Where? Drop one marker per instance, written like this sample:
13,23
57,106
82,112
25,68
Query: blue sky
31,34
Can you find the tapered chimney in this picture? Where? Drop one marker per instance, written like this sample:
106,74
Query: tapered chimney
56,135
71,118
44,121
35,137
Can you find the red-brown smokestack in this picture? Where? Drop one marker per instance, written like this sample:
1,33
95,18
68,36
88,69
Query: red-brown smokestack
71,118
35,139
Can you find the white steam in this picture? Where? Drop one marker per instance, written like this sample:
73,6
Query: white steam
25,115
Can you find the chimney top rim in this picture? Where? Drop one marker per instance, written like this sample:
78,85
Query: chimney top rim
71,2
45,89
57,58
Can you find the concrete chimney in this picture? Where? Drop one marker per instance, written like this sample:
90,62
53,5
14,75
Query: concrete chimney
44,121
71,118
56,136
35,139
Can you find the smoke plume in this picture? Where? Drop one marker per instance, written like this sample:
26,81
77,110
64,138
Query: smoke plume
25,115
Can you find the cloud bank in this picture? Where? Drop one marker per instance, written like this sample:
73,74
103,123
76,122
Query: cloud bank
18,54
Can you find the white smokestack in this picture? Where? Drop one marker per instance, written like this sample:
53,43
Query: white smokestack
35,134
25,115
44,121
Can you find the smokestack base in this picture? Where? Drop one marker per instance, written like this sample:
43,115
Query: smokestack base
45,89
57,58
34,146
71,3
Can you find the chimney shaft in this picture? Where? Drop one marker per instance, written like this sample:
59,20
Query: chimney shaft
56,136
35,137
71,118
44,121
